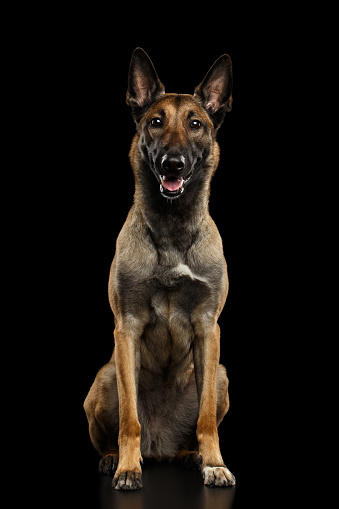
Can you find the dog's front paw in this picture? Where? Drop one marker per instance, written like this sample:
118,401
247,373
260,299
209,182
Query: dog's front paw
218,476
127,481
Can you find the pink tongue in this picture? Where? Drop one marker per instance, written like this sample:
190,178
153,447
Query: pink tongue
172,184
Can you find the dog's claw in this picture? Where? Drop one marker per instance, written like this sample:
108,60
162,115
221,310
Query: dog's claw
218,476
127,481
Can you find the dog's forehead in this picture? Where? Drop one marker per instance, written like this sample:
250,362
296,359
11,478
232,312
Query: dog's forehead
178,104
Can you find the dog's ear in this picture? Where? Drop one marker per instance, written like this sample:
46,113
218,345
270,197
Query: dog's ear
215,91
144,85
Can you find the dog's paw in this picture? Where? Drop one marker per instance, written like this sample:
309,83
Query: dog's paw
127,481
218,476
108,464
189,460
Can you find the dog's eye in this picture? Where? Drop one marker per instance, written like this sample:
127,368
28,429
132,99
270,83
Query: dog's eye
195,124
156,122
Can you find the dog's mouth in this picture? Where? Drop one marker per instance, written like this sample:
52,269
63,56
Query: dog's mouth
173,187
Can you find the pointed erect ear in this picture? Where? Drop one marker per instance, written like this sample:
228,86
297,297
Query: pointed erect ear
215,91
144,85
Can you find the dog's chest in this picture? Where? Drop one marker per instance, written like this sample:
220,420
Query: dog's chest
176,287
176,275
169,334
175,292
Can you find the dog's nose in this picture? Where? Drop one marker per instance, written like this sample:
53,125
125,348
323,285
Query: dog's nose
173,163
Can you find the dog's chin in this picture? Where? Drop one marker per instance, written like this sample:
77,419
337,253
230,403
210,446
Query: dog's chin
172,187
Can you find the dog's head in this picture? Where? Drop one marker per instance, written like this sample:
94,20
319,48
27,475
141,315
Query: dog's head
177,130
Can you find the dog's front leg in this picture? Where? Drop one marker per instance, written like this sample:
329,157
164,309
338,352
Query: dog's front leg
127,361
206,361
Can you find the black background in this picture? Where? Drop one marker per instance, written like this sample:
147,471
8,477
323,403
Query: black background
87,131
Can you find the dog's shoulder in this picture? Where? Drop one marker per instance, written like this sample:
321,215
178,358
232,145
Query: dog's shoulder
133,263
207,248
134,246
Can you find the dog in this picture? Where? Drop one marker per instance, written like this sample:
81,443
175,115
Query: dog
163,394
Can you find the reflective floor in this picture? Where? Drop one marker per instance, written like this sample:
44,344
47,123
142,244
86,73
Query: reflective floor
166,486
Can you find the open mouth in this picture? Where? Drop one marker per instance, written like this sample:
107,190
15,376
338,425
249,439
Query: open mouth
173,187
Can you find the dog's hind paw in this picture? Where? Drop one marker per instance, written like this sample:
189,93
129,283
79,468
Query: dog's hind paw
127,481
108,464
218,476
190,460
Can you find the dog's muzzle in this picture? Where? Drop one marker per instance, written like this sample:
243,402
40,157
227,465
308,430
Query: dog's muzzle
172,185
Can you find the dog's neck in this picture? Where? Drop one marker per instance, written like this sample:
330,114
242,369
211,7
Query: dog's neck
171,222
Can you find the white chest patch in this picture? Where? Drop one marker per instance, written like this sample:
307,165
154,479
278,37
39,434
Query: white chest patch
184,270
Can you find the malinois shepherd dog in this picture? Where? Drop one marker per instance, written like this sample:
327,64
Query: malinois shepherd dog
163,394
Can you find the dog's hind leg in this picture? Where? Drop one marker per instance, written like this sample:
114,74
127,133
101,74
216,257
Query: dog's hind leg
102,411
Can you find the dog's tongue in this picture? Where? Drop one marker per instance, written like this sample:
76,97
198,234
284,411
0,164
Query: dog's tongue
171,183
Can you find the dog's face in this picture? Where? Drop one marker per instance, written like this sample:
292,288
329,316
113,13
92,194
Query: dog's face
177,131
176,136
